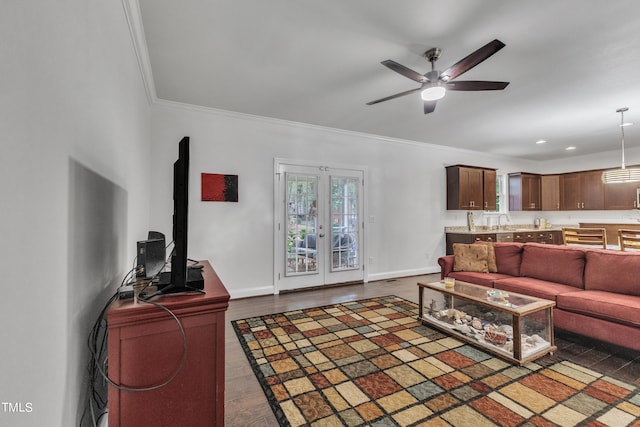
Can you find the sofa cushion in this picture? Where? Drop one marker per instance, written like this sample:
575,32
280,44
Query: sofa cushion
484,279
613,271
470,257
533,287
508,257
560,264
610,306
491,256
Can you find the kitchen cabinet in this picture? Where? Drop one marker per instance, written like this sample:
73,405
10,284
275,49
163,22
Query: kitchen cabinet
489,186
504,237
550,192
524,192
552,237
470,188
556,236
581,191
570,191
538,236
452,238
592,190
621,196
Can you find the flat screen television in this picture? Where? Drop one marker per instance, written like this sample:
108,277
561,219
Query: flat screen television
181,278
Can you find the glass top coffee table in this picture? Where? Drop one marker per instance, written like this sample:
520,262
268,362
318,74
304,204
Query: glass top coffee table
516,327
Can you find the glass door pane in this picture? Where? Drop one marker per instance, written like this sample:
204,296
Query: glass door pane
345,223
302,223
319,234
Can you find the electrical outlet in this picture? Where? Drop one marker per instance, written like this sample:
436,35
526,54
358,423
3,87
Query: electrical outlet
370,260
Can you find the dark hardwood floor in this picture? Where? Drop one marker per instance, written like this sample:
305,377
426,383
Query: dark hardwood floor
245,402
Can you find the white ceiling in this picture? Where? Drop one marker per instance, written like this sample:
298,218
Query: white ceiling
571,64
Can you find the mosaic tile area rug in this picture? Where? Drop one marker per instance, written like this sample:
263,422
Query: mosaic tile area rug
371,363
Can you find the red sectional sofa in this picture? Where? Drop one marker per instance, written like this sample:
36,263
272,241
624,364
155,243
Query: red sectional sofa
597,291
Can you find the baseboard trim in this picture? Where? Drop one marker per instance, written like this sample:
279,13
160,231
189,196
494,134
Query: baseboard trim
402,273
269,290
251,292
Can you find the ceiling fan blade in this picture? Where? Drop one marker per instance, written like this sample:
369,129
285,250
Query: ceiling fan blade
429,106
397,95
471,60
476,85
407,72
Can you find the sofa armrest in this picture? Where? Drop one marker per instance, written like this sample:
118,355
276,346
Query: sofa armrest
446,265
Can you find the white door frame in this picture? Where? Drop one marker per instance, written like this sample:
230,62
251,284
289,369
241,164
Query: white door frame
279,261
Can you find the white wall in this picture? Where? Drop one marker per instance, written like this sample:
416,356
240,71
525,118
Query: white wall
74,183
74,180
405,191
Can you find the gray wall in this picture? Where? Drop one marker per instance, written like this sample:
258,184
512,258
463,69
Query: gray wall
75,124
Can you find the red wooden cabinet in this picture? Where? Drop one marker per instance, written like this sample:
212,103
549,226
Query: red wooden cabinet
146,348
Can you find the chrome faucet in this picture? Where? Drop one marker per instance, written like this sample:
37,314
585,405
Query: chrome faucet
506,218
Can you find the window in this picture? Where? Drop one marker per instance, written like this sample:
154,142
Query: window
502,198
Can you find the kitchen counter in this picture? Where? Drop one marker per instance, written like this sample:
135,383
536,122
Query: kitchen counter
511,233
507,229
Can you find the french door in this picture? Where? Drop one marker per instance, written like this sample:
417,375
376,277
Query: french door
318,232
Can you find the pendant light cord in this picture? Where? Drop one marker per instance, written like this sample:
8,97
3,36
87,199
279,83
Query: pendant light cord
622,110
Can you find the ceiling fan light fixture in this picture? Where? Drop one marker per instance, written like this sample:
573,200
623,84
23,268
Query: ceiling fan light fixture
624,174
433,93
434,84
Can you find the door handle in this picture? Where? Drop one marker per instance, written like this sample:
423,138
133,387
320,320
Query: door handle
321,235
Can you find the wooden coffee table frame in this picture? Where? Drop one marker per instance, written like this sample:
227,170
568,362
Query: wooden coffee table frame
477,295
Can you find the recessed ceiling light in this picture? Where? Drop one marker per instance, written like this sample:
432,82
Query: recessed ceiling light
541,141
570,148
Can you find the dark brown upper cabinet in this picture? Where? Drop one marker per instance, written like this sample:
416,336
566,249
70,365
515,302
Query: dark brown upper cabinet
581,191
524,192
550,192
471,188
621,196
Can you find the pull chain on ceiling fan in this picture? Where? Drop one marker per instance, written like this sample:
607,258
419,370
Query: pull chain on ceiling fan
434,84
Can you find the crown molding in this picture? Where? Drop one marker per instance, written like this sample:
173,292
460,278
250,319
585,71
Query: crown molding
301,125
297,125
136,31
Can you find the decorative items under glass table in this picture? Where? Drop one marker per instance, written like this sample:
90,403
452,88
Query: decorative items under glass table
516,327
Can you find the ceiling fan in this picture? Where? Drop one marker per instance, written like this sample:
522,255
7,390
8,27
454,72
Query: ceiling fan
436,83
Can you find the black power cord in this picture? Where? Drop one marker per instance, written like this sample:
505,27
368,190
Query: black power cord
98,363
104,374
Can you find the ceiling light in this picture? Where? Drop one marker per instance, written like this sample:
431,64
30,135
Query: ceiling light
570,148
623,174
433,93
541,141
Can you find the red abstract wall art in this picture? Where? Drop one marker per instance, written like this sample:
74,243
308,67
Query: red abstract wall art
219,188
